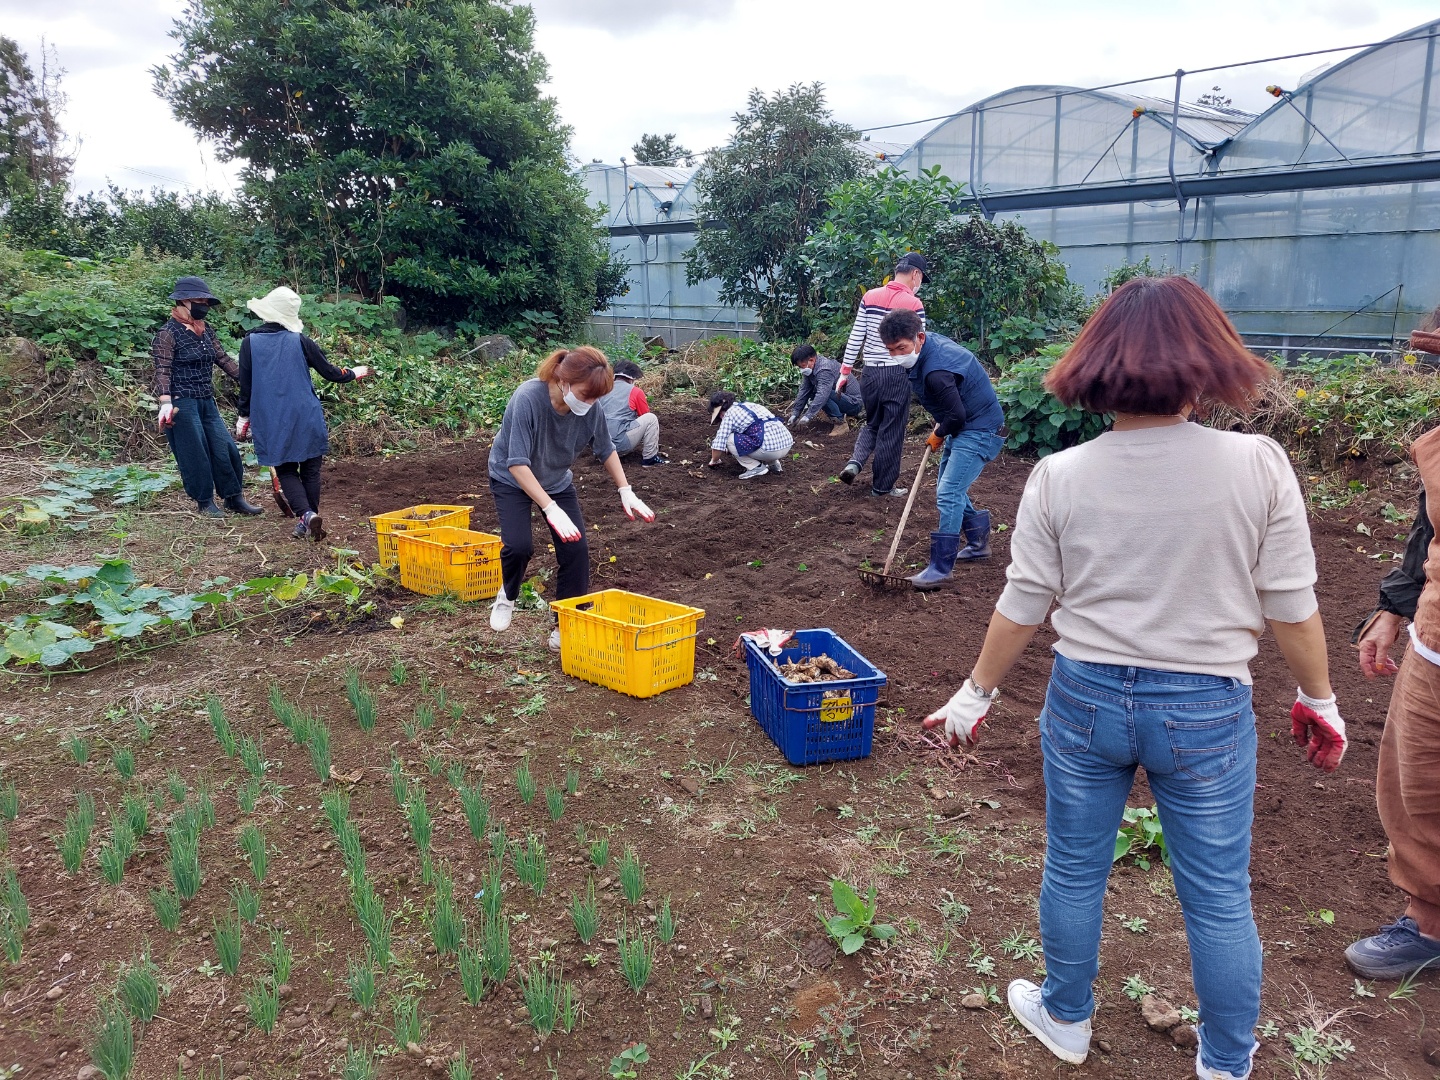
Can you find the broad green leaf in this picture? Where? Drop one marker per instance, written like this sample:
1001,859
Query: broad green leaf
131,625
846,899
883,931
852,943
61,652
117,572
1122,845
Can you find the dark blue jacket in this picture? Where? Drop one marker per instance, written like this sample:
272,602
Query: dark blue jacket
952,386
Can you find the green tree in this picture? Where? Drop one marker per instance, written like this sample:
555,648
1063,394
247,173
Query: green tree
398,148
31,142
660,150
768,188
991,284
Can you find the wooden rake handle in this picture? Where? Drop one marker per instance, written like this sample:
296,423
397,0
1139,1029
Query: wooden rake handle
905,516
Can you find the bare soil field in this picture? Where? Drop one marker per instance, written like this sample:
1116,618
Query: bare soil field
743,846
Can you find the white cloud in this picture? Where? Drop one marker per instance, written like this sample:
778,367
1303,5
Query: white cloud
620,68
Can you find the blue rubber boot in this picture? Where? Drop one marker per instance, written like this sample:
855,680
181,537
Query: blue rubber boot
977,536
943,549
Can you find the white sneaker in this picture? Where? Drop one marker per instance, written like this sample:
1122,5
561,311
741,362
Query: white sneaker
555,640
1068,1042
1204,1072
775,466
758,470
501,612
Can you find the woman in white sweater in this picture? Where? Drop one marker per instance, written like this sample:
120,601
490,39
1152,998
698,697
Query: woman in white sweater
1166,548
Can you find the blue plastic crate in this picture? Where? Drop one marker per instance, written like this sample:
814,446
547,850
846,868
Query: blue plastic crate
807,726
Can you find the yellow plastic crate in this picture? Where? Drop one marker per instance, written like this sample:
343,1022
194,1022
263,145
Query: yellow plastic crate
458,561
412,518
634,644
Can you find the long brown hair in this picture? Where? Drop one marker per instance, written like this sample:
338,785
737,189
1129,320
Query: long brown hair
1155,346
585,370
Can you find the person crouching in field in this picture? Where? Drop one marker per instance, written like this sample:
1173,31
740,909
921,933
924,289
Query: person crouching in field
548,421
627,412
279,407
1166,548
820,391
750,433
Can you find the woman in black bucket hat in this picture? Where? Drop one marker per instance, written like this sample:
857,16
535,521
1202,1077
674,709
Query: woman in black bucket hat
186,351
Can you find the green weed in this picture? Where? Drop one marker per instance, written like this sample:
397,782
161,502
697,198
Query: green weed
79,748
665,925
252,843
495,942
632,876
361,700
417,813
471,962
247,901
447,923
637,957
600,853
139,988
525,782
407,1026
262,1001
477,810
358,1064
360,981
220,724
279,959
9,802
227,943
530,864
124,761
585,913
112,1041
166,906
554,801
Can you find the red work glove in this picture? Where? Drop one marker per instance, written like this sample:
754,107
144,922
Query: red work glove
1316,725
844,377
935,441
962,715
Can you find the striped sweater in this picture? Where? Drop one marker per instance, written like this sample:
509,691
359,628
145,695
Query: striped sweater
865,334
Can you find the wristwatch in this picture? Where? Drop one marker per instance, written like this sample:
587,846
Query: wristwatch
980,689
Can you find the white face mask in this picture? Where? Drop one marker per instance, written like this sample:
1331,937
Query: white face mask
578,407
905,360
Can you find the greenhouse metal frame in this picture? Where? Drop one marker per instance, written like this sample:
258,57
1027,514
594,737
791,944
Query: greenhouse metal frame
1315,224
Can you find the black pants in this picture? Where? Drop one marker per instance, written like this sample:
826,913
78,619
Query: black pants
300,481
886,393
513,507
205,455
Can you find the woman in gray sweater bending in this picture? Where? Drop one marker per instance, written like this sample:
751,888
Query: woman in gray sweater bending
1166,548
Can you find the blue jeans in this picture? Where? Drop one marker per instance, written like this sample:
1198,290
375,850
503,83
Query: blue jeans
205,454
1195,735
839,406
961,460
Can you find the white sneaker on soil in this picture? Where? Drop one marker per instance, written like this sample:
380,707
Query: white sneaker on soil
501,612
1204,1072
758,470
555,640
1068,1042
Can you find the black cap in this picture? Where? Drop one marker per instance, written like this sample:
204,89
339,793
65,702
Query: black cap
720,400
912,261
627,369
193,288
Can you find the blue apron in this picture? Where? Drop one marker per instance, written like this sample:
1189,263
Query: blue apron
285,415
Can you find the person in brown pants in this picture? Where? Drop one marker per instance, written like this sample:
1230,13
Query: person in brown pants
1407,784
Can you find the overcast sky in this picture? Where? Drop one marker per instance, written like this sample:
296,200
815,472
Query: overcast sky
623,67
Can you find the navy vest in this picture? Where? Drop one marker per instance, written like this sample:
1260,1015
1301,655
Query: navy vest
285,415
982,407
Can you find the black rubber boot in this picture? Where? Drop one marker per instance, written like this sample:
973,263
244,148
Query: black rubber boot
237,504
943,549
208,509
977,536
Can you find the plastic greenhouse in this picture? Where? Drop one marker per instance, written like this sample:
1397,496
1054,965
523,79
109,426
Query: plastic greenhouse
1316,224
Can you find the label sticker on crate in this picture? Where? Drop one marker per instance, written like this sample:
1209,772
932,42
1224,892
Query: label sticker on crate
835,708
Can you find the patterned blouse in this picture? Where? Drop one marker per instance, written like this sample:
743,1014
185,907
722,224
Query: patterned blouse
184,361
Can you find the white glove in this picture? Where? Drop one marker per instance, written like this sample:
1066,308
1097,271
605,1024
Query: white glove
242,426
166,416
561,523
844,377
772,640
1316,725
360,371
962,715
633,506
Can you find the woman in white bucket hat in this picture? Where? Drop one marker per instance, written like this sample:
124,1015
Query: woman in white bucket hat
279,406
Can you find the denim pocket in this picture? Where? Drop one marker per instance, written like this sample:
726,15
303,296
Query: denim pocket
1068,722
1205,749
